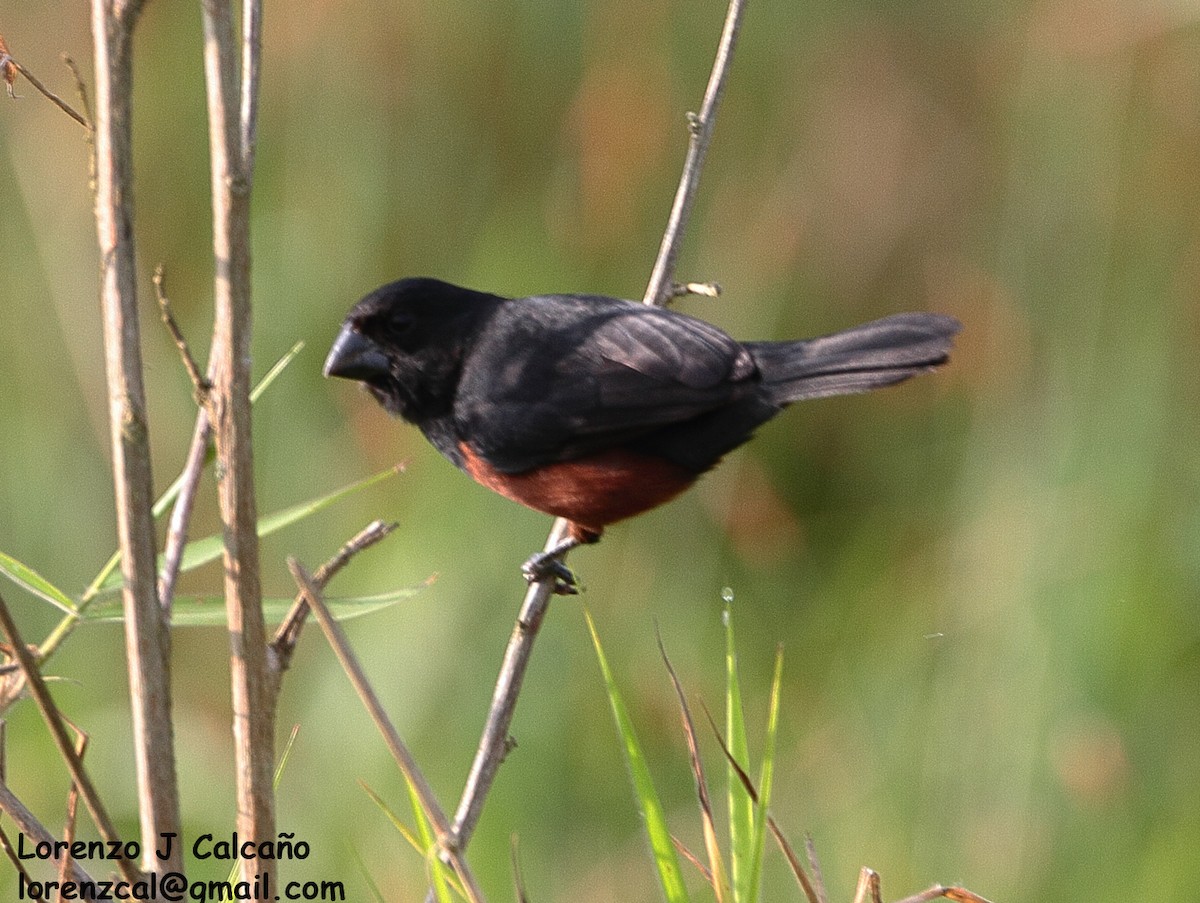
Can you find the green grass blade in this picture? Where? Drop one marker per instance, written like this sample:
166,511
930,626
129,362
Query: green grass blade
665,858
437,869
765,779
283,759
278,367
209,610
741,807
29,579
405,832
202,551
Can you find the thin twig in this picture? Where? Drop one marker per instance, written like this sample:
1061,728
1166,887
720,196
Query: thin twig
90,138
58,731
700,128
814,890
957,894
147,641
200,382
493,743
80,89
8,65
704,289
288,634
519,891
181,512
814,863
404,759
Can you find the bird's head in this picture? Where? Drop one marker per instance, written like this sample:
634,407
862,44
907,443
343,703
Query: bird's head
406,342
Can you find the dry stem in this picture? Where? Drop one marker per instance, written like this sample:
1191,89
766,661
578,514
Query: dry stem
229,105
147,640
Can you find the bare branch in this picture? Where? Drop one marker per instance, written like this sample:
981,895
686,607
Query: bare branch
288,634
80,89
700,128
146,637
404,759
81,742
200,382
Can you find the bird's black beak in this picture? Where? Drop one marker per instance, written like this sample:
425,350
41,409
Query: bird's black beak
355,357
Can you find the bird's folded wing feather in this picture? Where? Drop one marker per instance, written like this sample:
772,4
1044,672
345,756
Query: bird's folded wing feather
608,373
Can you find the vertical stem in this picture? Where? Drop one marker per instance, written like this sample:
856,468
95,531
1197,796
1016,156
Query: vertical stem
493,742
700,128
146,639
253,715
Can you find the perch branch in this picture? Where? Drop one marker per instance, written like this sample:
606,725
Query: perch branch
493,743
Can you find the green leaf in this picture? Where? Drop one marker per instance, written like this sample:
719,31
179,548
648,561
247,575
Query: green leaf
209,610
766,776
29,579
202,551
665,858
741,806
437,869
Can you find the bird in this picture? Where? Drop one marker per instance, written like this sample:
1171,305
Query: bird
593,408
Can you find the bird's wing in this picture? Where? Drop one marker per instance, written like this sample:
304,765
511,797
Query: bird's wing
560,377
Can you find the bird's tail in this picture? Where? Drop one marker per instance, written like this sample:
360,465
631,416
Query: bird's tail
875,354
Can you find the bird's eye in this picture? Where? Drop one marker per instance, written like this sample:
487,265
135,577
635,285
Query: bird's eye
400,324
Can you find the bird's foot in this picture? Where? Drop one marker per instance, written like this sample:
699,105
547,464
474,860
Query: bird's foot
548,564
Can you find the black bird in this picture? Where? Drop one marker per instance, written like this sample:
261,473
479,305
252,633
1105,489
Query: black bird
593,408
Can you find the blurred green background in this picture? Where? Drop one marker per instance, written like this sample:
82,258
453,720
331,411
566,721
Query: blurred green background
986,581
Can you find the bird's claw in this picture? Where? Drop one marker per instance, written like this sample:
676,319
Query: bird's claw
547,564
